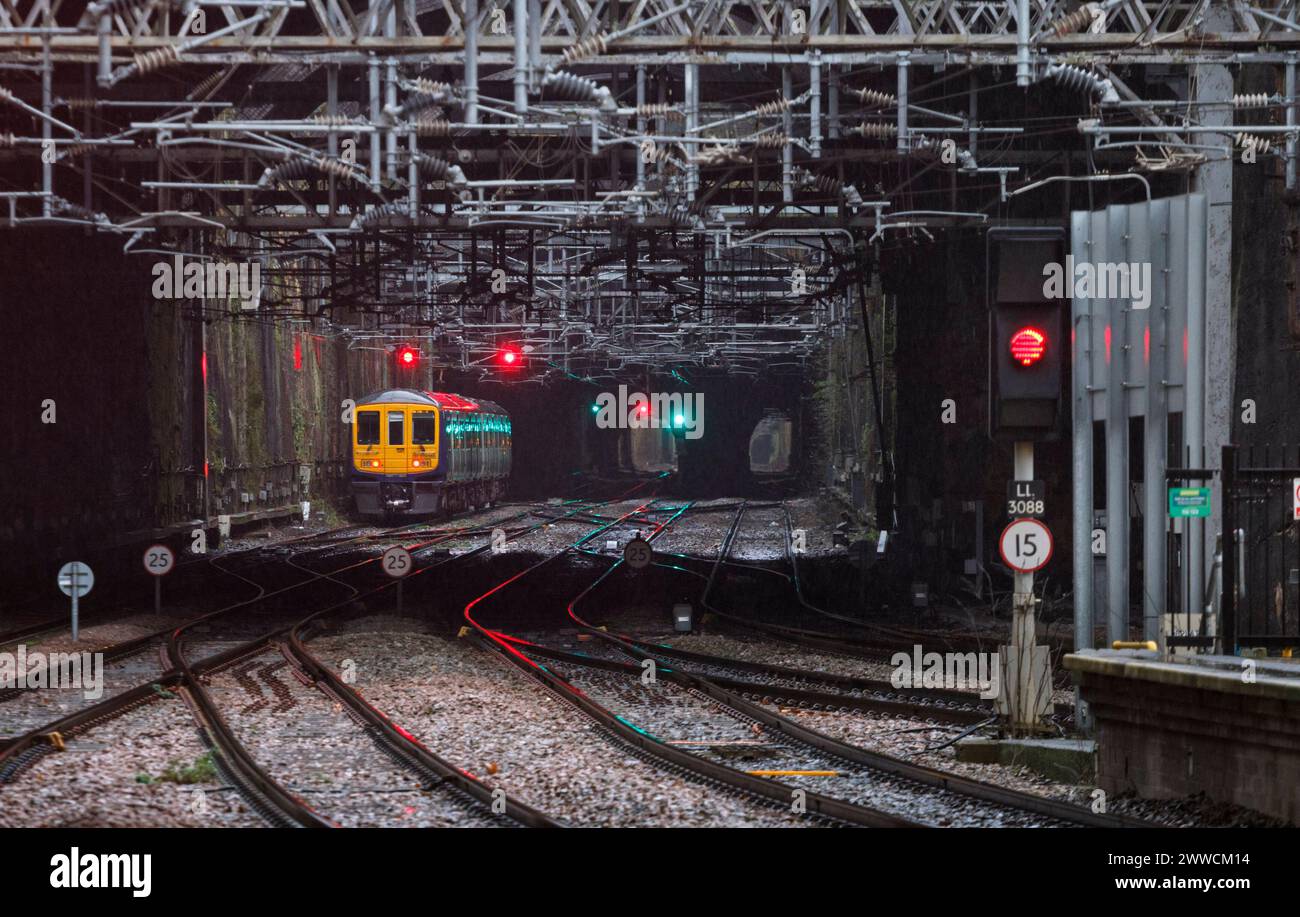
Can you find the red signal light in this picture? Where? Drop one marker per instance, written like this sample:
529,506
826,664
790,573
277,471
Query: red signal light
408,356
509,357
1028,346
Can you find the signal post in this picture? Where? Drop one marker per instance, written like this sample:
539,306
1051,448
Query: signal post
1026,370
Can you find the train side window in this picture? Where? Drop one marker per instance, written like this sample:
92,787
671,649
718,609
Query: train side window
396,428
367,428
424,428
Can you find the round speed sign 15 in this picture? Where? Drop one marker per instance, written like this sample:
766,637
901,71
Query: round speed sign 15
1025,545
397,561
159,560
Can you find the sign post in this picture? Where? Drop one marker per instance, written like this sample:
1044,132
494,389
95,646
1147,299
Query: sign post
397,563
1295,498
1025,546
159,560
75,579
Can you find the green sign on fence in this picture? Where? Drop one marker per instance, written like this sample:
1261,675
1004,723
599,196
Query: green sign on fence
1185,502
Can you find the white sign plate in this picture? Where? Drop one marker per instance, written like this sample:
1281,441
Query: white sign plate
397,562
1025,545
159,560
75,578
638,553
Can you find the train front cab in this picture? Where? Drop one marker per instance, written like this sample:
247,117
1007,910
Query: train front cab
395,459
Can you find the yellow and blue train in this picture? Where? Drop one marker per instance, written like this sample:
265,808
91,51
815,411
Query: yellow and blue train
421,453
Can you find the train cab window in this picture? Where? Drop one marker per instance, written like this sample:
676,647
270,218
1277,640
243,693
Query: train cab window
424,429
367,428
396,428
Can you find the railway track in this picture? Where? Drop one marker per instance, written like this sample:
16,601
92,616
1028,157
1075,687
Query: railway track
848,812
910,786
272,801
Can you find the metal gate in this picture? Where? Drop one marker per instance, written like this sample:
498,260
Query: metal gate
1260,599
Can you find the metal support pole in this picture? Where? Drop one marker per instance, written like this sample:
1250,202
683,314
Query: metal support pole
87,161
972,113
375,119
534,44
691,79
903,64
640,124
1210,330
1232,549
1117,471
1025,687
832,81
105,76
157,596
390,134
47,129
76,612
814,83
332,138
1081,480
521,56
1290,122
1024,73
471,61
787,151
413,174
1155,447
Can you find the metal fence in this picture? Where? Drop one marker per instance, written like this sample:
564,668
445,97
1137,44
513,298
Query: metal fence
1260,597
1190,611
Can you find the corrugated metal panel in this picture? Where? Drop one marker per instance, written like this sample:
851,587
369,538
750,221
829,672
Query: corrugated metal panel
1169,234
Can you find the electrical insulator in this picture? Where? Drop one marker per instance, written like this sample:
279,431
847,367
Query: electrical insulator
157,59
876,99
1252,100
660,110
63,206
587,47
1253,142
434,168
877,130
427,124
332,120
416,104
823,183
75,149
380,213
1077,21
432,88
206,85
721,155
1081,80
297,169
775,107
569,88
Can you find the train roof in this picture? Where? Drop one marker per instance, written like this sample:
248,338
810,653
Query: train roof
445,400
